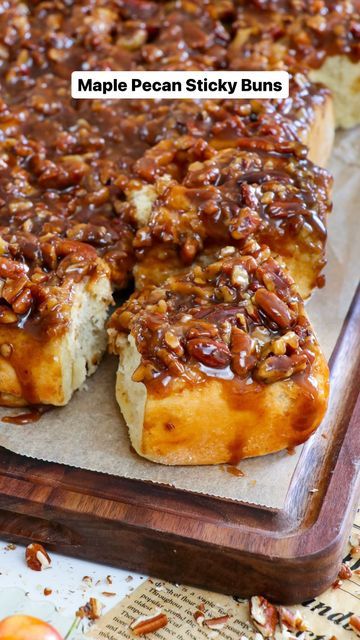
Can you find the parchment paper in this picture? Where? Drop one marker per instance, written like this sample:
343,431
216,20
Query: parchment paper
90,433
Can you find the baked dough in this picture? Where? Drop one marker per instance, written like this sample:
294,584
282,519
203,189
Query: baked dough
219,364
321,39
319,136
342,76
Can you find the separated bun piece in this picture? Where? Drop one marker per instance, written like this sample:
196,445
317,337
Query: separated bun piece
262,188
52,322
219,364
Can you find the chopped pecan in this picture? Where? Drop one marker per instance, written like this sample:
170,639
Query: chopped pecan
239,276
216,623
201,330
263,615
91,610
345,572
292,620
274,278
355,623
173,342
276,368
36,557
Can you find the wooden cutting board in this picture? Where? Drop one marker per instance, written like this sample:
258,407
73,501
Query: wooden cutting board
288,555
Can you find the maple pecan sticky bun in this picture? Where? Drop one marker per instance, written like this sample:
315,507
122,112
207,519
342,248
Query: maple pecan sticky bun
197,199
319,36
231,342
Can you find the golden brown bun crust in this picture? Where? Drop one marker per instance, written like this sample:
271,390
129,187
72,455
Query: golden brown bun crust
319,137
217,422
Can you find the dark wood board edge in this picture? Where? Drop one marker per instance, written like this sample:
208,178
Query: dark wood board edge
208,542
335,431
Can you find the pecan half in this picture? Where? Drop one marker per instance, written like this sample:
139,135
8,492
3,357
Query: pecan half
273,307
241,348
209,352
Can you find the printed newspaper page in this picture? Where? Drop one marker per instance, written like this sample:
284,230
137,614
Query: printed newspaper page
188,610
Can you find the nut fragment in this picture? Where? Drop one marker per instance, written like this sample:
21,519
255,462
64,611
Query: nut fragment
36,557
345,572
173,342
6,350
148,624
263,615
279,346
277,368
239,276
199,615
292,620
91,610
216,623
7,316
355,623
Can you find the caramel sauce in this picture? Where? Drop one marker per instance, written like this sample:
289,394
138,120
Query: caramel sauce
28,351
234,471
26,418
291,451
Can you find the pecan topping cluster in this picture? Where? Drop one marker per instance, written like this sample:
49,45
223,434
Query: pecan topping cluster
238,317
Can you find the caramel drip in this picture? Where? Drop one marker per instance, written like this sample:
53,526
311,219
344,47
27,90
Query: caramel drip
27,418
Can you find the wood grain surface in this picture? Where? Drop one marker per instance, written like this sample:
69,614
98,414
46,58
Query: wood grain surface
234,548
